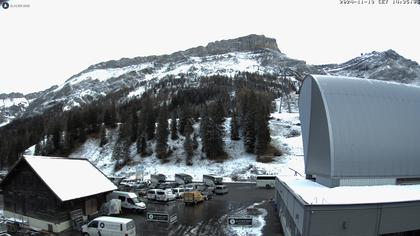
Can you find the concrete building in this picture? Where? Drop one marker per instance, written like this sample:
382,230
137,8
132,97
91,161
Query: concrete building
361,141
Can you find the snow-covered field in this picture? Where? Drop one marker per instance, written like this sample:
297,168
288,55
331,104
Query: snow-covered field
242,166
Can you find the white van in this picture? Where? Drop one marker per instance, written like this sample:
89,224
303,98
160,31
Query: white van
220,189
151,194
179,192
106,225
128,200
165,195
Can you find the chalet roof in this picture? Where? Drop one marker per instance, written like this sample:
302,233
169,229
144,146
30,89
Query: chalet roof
70,178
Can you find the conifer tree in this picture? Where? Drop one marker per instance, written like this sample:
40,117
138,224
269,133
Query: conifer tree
234,127
134,126
102,135
162,134
174,127
263,132
211,137
121,151
183,120
141,145
189,150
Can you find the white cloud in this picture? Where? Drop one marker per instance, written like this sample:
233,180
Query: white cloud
51,40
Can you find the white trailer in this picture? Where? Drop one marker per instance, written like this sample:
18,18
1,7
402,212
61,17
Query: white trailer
212,181
183,179
156,179
266,181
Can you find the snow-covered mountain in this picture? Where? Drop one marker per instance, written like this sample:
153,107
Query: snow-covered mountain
387,65
130,77
11,106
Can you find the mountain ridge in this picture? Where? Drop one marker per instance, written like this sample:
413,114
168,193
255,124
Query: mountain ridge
252,53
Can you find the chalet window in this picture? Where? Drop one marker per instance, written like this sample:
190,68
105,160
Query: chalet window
93,224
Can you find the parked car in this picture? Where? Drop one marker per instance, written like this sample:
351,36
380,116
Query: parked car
200,187
220,189
106,225
165,195
207,194
164,186
193,197
151,194
128,200
189,187
179,192
140,185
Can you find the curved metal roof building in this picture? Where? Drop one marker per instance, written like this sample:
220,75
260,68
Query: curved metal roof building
359,130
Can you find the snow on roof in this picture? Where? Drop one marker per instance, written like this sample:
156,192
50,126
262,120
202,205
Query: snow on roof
70,178
113,219
317,194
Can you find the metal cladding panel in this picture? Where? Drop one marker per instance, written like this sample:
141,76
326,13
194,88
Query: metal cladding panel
373,127
343,222
400,218
315,131
305,112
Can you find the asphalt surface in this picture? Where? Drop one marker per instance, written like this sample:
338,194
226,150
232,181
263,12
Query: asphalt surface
209,218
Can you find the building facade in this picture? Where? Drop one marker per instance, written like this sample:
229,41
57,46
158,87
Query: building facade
362,160
42,191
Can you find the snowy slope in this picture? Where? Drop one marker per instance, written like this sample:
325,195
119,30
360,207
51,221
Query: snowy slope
11,106
240,165
387,65
253,53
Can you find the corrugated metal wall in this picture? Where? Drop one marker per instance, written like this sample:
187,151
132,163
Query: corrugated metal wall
373,127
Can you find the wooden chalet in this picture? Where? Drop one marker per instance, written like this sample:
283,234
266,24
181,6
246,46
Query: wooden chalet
42,191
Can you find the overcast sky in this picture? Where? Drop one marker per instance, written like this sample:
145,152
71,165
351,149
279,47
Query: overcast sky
47,42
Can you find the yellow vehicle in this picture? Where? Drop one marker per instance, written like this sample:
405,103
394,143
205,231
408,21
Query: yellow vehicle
193,197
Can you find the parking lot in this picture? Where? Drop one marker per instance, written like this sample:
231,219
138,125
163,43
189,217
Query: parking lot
210,217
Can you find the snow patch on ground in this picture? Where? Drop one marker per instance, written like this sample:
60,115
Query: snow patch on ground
101,157
241,166
258,223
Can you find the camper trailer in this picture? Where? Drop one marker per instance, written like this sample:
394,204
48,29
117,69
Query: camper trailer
183,179
155,180
211,181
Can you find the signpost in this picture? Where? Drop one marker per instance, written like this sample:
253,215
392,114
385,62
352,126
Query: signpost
162,217
240,220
